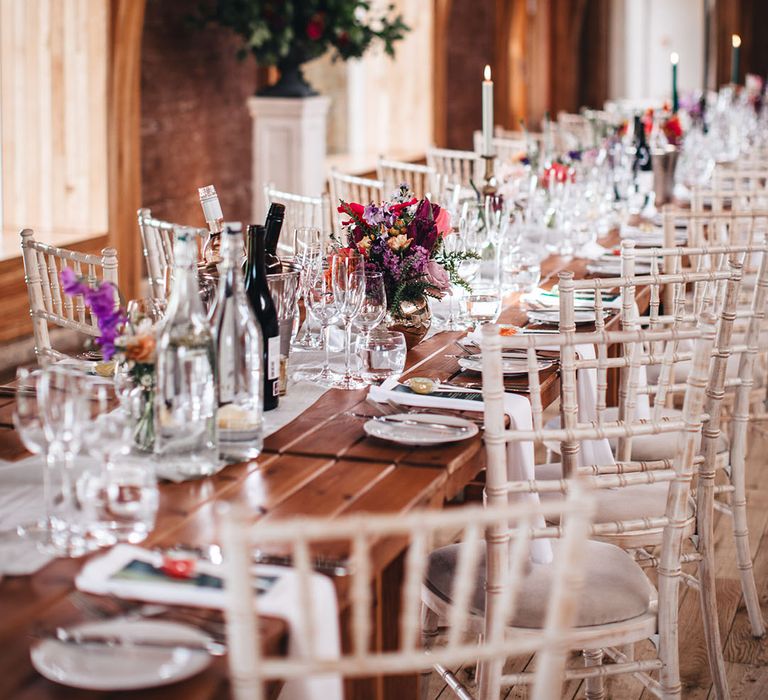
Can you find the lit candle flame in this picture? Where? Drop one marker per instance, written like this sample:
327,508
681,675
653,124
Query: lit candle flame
487,73
735,41
674,58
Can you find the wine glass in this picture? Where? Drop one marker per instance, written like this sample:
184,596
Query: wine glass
455,242
29,427
348,279
322,307
62,405
307,243
374,306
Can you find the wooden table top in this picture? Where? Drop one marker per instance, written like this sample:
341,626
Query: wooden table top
321,464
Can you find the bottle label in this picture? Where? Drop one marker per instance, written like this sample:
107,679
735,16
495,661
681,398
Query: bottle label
273,358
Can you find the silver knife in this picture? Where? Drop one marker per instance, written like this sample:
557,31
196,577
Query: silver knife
104,641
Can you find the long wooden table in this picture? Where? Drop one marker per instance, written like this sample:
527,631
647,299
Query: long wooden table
322,464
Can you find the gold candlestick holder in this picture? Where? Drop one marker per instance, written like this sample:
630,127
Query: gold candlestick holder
489,186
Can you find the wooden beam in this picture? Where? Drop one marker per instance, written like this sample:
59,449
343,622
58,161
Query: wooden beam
441,15
124,138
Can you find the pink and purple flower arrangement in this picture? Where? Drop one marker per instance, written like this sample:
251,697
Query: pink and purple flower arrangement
403,239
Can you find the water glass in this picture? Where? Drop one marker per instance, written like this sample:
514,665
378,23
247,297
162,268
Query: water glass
285,289
382,354
128,498
522,271
483,303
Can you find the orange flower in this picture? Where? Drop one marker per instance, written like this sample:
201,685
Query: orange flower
141,348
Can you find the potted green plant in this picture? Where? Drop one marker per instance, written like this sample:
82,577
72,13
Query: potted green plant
288,33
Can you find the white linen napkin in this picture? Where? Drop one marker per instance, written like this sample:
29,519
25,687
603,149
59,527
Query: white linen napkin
21,502
520,460
592,451
281,599
590,251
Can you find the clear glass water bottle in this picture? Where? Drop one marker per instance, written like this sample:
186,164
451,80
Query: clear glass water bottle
237,337
185,401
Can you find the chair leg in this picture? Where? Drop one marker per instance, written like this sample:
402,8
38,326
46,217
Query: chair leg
595,686
429,621
743,553
669,674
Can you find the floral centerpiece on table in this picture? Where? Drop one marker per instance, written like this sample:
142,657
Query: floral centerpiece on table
129,344
403,239
288,33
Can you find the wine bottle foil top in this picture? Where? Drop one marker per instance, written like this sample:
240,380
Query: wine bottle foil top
210,202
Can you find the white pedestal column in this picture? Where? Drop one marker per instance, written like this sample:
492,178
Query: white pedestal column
288,146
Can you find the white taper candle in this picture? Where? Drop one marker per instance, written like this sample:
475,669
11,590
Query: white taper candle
487,112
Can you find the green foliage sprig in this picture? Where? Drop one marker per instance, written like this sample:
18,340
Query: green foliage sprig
292,32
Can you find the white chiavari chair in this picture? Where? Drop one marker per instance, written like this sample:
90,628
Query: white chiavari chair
300,211
350,188
457,167
48,304
157,246
421,179
731,385
574,132
356,539
703,285
620,615
505,149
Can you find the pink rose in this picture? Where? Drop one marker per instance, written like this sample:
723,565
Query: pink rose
443,222
438,278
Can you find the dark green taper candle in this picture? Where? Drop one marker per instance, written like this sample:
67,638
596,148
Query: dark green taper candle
735,55
674,59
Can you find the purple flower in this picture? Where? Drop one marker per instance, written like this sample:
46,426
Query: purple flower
71,283
574,155
375,216
418,259
101,300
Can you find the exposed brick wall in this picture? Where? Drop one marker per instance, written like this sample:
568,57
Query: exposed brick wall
471,32
195,127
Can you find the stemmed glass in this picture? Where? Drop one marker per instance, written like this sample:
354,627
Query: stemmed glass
322,307
374,306
455,242
62,405
29,427
348,278
307,242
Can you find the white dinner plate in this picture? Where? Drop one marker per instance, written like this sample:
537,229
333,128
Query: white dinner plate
408,433
123,667
553,316
510,366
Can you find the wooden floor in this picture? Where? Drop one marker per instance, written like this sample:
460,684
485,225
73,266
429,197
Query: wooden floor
746,657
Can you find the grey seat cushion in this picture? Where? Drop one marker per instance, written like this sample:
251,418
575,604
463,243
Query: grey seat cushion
615,587
645,448
625,503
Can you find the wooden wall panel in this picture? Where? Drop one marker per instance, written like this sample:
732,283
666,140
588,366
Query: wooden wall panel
53,77
124,144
